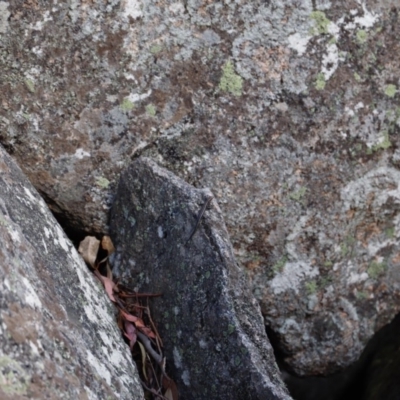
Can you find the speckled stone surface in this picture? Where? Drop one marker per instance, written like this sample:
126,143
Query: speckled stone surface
287,110
58,334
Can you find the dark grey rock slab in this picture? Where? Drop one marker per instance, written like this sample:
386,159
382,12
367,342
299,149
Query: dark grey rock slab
212,328
58,335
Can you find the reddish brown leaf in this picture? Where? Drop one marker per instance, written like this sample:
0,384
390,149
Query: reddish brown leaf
137,321
171,392
109,272
147,331
130,333
108,284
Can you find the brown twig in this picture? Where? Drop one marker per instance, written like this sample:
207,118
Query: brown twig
200,216
153,391
130,295
158,337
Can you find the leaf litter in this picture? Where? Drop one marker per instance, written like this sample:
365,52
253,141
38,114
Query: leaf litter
134,320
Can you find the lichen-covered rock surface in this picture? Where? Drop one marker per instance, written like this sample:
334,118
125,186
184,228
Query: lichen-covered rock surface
58,335
211,325
288,110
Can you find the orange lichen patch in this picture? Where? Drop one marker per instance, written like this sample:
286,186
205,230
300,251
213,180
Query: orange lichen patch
275,136
203,9
350,214
48,384
31,4
365,233
272,61
319,164
252,265
370,200
3,167
273,200
20,323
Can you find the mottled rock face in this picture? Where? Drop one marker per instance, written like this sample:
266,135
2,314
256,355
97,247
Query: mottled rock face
288,112
210,324
58,336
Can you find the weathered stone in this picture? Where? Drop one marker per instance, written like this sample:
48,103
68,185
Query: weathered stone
58,335
374,376
285,108
211,326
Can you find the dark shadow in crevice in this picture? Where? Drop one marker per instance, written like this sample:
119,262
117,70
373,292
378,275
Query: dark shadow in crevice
374,376
70,226
74,234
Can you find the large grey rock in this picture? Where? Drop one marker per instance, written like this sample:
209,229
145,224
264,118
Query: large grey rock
212,329
287,109
58,334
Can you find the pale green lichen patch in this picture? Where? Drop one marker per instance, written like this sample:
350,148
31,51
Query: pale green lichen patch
393,115
332,40
344,249
384,143
347,246
362,295
151,110
390,232
326,281
102,182
390,90
376,269
299,194
356,149
155,48
320,82
311,287
127,105
321,23
278,267
230,81
357,77
3,222
13,378
361,36
30,85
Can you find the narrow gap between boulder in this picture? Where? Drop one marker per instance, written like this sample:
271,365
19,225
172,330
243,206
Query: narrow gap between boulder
374,376
133,329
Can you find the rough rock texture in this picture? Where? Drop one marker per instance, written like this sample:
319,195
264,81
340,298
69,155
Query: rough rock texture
58,336
288,110
211,326
374,376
